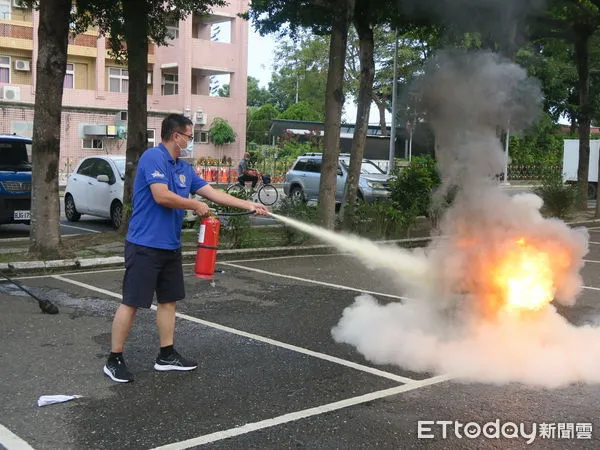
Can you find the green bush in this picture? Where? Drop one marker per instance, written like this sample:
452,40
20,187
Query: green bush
379,220
412,190
559,198
235,230
221,133
541,144
299,211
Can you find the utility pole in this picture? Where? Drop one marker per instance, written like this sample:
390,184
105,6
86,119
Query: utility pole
506,143
394,87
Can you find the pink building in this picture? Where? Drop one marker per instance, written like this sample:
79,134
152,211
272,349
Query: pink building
206,59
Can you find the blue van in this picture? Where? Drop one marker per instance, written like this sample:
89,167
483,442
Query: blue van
15,179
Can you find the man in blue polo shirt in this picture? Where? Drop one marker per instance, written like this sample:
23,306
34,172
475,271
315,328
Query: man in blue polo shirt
153,262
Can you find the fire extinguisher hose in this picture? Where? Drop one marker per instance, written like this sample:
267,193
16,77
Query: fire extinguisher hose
229,214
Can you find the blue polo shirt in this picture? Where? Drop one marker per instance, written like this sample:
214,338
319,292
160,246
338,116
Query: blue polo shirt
151,224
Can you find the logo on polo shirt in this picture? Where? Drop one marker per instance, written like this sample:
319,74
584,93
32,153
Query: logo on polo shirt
157,174
182,180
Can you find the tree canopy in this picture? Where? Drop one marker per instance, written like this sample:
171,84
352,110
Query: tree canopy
221,133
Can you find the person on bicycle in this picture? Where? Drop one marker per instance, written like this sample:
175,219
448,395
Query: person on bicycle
245,172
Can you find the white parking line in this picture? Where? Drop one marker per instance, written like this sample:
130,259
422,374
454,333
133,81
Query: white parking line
305,351
308,280
79,228
591,288
120,269
85,272
303,414
10,441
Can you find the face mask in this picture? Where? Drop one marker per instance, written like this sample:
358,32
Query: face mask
184,151
187,151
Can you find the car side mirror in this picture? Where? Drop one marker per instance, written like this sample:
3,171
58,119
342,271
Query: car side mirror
102,178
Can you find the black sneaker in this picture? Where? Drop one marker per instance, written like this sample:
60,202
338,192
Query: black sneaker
173,362
117,370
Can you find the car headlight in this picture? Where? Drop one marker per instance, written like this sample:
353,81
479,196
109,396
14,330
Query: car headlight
376,185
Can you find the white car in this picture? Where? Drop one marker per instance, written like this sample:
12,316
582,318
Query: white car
96,188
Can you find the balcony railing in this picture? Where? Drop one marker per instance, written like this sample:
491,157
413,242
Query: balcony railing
16,31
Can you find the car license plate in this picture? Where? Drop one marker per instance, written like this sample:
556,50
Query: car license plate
22,215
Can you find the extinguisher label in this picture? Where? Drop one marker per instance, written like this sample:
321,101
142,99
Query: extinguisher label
201,233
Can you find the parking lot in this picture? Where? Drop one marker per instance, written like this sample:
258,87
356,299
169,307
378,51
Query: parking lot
270,375
89,224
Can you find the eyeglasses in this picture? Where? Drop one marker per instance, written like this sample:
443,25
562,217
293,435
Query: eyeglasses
186,135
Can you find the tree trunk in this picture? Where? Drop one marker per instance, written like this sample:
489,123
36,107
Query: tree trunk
136,38
582,40
366,44
53,35
334,101
381,107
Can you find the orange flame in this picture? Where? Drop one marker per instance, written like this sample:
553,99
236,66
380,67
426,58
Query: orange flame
524,278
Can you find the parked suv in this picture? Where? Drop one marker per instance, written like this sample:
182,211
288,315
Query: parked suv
302,180
96,188
15,179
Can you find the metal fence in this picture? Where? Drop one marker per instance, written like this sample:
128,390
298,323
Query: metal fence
531,172
226,174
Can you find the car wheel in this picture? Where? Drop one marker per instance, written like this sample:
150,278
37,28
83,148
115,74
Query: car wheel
297,195
70,210
116,214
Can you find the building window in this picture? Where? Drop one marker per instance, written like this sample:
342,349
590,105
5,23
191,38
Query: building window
201,137
171,84
69,82
4,69
118,79
91,144
151,138
221,32
173,31
5,9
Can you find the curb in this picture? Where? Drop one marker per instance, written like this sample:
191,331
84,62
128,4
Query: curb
29,267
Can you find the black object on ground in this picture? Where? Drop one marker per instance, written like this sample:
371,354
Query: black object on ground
45,305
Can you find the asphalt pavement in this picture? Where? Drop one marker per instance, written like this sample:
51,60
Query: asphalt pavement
270,375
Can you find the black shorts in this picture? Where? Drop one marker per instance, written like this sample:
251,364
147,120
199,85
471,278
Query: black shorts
149,270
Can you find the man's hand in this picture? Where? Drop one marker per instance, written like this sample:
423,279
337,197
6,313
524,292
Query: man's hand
201,209
261,210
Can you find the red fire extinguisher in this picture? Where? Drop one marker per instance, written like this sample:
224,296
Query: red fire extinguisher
208,241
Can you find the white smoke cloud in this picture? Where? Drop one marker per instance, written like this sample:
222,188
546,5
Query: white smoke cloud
455,321
542,350
447,327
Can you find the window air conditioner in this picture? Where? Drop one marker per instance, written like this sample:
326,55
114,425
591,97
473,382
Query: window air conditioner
21,64
121,116
11,93
200,117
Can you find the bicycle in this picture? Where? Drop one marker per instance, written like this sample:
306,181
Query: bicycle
267,193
